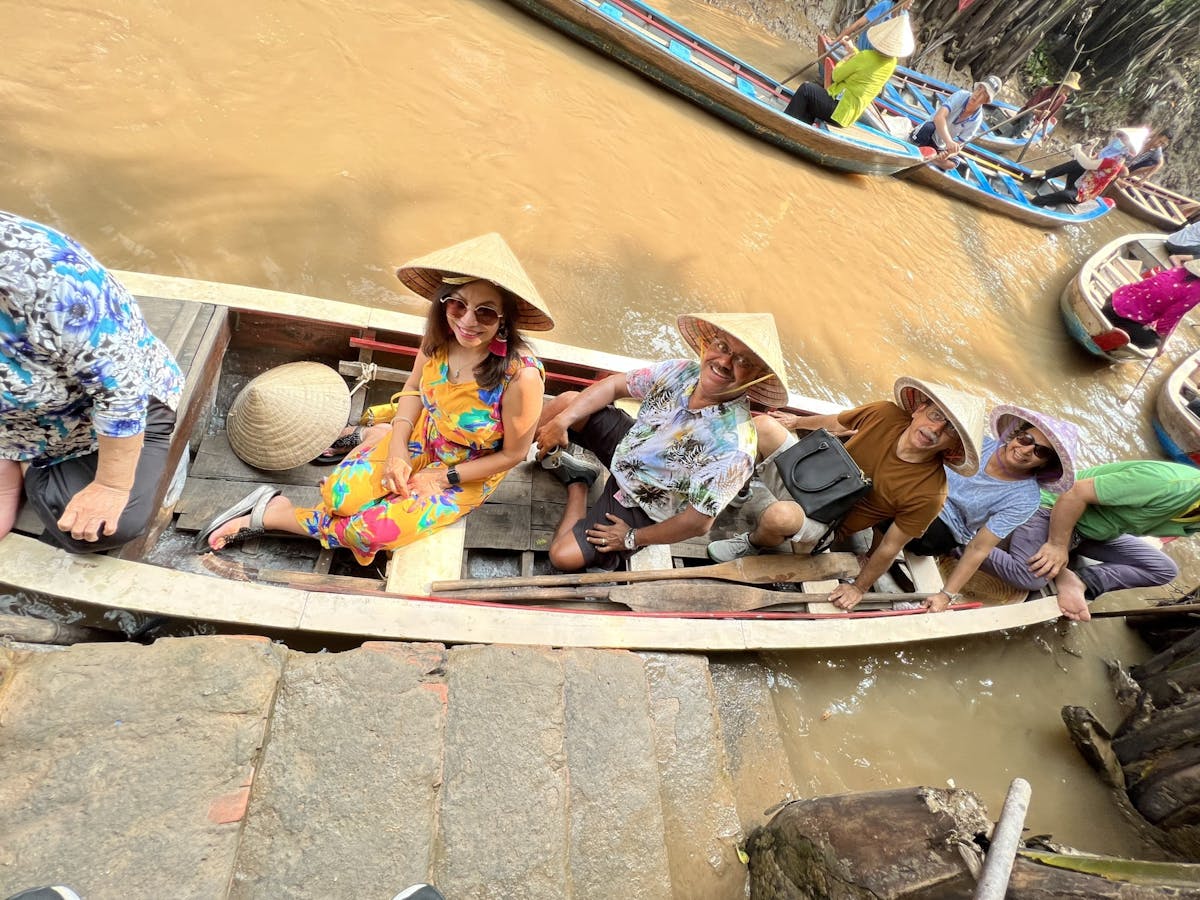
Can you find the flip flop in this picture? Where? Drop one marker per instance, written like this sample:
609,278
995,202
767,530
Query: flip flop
253,504
341,448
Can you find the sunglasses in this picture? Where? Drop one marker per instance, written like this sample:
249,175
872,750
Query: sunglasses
1041,451
456,308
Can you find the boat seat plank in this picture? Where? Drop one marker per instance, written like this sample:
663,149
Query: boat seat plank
216,459
204,498
1129,269
498,526
925,574
1151,257
437,557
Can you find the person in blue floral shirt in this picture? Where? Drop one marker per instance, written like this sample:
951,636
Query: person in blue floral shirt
686,455
87,393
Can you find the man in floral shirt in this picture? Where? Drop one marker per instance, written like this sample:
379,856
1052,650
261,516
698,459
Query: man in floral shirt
685,456
87,393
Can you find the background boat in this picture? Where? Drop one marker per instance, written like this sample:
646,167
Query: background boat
1177,426
224,335
1119,262
1153,203
638,36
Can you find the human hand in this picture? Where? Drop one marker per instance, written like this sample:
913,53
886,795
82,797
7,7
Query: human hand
396,472
95,508
1048,561
608,538
427,483
846,596
551,435
938,602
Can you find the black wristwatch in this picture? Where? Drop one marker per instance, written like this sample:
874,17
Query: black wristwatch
452,475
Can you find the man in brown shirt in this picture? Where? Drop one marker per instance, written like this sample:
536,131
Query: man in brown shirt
901,447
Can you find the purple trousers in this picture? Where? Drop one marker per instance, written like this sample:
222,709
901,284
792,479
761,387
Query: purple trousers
1124,562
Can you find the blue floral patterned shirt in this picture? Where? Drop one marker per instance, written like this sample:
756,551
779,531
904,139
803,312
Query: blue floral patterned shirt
77,359
673,457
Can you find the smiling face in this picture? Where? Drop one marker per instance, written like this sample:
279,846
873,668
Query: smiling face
473,313
1027,451
725,365
930,431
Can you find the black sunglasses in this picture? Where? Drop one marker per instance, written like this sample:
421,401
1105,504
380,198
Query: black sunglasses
1041,451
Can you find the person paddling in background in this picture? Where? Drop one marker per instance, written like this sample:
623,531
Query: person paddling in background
1030,450
1042,106
958,119
1152,158
467,416
87,394
1088,176
901,447
685,456
880,12
857,79
1149,309
1100,518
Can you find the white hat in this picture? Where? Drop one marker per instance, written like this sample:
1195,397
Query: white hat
991,84
287,415
488,258
965,412
757,332
893,37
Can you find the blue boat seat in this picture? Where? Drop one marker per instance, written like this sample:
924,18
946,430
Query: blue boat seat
746,87
680,49
612,11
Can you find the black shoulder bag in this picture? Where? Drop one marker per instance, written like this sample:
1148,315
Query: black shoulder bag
822,477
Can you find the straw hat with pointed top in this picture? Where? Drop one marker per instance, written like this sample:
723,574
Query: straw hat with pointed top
893,37
1072,81
287,415
757,332
488,258
965,412
1057,477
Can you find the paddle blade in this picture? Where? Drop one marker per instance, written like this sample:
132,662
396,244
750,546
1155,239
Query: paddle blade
775,567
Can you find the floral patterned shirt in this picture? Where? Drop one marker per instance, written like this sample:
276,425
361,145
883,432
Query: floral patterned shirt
76,357
673,457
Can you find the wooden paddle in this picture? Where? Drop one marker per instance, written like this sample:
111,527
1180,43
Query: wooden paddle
765,569
1176,609
677,596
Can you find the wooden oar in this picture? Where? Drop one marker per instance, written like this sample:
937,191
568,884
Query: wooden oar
675,596
1176,609
765,569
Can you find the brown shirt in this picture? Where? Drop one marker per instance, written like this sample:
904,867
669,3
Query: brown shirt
910,493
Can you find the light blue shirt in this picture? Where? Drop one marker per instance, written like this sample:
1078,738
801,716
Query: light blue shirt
961,129
983,500
880,12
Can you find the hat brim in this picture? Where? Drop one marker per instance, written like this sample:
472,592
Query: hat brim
1007,418
698,332
911,393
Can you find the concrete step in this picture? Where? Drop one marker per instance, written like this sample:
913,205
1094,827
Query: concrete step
222,766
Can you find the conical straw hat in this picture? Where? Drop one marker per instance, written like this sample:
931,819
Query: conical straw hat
893,37
965,411
287,415
757,332
487,257
1063,437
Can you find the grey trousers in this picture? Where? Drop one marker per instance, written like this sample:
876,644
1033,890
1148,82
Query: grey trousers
48,488
1124,562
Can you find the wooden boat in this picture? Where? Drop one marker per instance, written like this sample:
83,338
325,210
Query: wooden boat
666,52
1177,426
922,94
984,178
1119,262
1153,203
223,335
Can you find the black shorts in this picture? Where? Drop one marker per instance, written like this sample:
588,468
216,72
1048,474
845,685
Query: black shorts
604,430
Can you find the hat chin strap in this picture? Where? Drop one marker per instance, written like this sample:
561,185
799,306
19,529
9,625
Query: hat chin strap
742,388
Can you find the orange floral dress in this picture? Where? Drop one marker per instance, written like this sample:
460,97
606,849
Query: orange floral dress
457,423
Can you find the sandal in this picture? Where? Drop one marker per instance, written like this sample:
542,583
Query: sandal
253,504
340,449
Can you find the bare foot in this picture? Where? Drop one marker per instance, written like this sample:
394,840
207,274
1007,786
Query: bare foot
1071,599
1179,259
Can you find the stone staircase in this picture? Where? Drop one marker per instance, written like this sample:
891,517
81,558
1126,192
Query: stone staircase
234,767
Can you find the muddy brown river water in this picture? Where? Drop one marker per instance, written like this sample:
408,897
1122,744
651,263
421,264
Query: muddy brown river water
310,147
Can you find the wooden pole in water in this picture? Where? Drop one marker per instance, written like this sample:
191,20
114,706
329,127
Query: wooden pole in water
997,866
